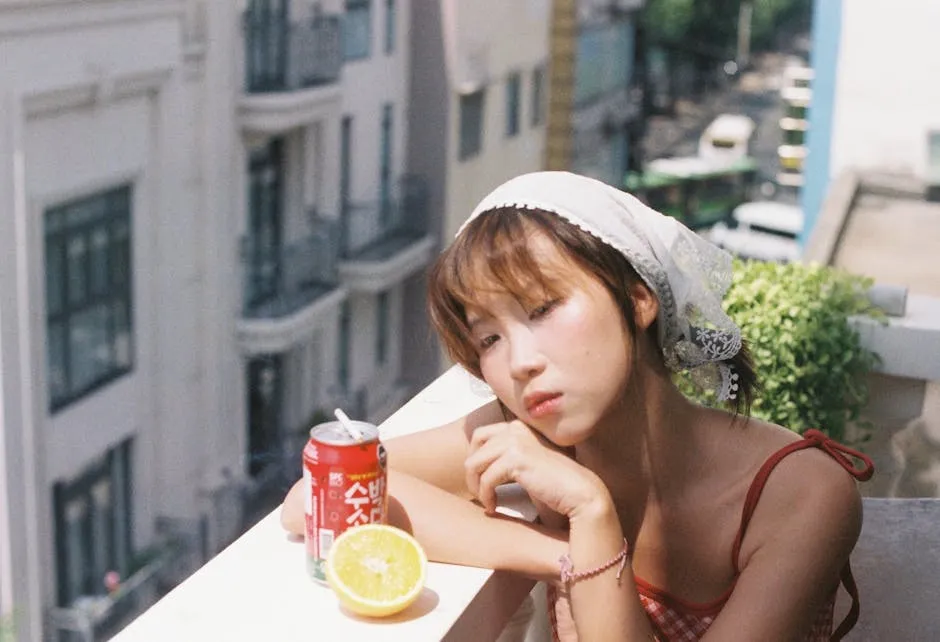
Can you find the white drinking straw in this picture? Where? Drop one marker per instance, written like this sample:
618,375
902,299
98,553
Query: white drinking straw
344,419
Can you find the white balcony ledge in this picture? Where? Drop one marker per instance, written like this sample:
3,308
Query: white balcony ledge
375,275
258,588
909,346
271,335
277,112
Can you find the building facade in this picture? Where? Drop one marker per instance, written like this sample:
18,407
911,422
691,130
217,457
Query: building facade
479,91
595,117
873,108
209,242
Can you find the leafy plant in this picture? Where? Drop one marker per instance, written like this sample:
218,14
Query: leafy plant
809,359
8,627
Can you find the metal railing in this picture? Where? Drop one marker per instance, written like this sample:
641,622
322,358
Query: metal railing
97,617
282,280
286,55
367,227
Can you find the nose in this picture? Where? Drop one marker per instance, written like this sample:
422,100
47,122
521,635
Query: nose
525,357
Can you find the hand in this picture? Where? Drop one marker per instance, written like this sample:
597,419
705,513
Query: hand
513,452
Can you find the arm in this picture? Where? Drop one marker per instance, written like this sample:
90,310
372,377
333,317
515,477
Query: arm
801,535
603,608
457,531
430,497
434,456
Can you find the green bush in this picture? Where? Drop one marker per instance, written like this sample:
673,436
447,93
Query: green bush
809,360
7,628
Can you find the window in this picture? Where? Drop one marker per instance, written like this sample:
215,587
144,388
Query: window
264,239
357,29
385,167
390,19
345,328
471,124
538,96
93,526
381,337
604,61
513,88
933,154
88,294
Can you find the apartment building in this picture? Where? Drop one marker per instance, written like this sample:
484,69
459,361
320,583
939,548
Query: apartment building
209,238
874,108
595,117
479,96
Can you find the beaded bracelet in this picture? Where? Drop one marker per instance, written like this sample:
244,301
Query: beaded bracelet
568,574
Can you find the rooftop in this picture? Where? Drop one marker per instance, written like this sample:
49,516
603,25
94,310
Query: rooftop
881,226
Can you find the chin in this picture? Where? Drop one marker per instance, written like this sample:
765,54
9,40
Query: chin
566,436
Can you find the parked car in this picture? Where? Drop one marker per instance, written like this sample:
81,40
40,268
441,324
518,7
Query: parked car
762,230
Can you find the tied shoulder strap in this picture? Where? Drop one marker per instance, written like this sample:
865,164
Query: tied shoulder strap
844,456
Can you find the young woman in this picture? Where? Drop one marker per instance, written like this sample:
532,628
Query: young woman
659,518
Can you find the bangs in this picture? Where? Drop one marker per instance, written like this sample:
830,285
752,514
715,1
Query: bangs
493,255
496,257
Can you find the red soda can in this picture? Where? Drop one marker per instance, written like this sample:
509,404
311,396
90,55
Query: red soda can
344,486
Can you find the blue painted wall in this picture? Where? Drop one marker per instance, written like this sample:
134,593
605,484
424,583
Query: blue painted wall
824,59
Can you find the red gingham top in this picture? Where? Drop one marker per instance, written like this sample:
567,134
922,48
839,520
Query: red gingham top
676,620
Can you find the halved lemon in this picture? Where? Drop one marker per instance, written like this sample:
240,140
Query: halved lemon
376,570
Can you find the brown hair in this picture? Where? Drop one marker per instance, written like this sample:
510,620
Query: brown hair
494,249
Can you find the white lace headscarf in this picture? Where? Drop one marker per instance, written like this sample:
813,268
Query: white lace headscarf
688,274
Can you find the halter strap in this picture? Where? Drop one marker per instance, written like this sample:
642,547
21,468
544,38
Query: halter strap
844,456
811,439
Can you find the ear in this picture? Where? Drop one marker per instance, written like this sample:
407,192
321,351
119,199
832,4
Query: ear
645,305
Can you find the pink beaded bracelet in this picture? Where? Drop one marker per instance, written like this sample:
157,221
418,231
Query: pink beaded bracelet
568,574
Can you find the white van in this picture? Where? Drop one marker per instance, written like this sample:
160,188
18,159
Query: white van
762,230
726,138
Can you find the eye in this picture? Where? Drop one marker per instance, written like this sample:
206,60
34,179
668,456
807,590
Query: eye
543,309
488,341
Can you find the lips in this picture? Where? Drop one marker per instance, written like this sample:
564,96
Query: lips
540,404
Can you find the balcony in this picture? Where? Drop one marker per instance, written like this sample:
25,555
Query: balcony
277,600
98,617
288,290
384,242
292,69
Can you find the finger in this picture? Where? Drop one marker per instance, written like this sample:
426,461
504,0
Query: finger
500,472
483,434
479,461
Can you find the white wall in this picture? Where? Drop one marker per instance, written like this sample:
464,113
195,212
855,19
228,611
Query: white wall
887,96
515,38
97,94
368,84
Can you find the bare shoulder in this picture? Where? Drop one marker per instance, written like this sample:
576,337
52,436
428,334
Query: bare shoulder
811,493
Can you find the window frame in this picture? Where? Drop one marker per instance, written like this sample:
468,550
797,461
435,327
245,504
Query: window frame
74,224
537,106
386,163
359,8
116,468
513,104
382,321
391,15
343,345
470,143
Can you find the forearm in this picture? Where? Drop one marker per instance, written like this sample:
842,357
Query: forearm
457,531
602,608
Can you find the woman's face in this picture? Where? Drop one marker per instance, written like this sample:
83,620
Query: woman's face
560,364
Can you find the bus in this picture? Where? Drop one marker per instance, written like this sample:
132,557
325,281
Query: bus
697,191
